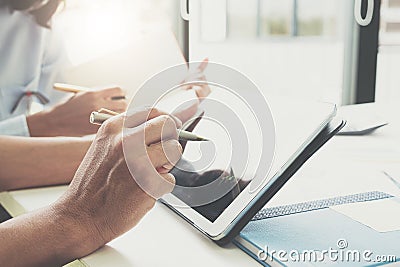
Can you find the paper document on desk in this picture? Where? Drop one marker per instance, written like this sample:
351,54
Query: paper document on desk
381,215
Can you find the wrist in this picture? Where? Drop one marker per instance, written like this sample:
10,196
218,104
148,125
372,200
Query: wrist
41,124
77,230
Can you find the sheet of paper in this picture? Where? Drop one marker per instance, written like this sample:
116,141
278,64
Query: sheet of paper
381,215
361,119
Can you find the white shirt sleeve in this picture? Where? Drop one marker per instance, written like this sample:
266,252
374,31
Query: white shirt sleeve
16,126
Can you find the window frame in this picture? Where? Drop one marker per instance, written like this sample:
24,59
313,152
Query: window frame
367,44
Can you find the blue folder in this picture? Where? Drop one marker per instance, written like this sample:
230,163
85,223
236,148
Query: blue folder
303,231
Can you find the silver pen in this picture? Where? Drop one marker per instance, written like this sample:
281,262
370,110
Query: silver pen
98,117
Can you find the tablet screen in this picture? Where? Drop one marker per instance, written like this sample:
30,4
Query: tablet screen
233,185
211,174
4,215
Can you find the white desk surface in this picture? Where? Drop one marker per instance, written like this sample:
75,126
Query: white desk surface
346,165
160,239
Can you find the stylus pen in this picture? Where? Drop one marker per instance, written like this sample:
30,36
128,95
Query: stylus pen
69,88
98,117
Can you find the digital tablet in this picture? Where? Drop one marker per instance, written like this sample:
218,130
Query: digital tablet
212,192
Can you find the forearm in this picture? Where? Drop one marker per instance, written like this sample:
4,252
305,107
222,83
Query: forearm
48,237
30,162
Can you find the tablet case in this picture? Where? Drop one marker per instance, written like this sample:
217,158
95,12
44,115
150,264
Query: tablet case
307,229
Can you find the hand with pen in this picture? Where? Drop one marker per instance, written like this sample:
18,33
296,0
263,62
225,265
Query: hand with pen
104,199
71,117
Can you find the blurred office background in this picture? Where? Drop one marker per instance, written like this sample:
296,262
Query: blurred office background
310,49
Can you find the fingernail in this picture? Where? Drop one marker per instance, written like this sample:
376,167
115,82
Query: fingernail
168,166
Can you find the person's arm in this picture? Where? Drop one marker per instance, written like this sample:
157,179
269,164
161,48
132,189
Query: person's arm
29,162
105,198
47,237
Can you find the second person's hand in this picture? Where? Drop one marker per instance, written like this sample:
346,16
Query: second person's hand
71,118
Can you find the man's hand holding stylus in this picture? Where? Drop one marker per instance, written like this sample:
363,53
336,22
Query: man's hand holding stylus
104,199
104,196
